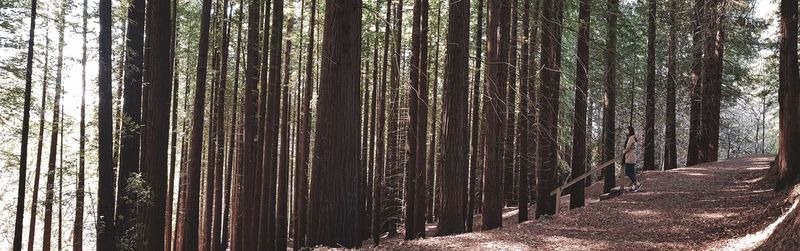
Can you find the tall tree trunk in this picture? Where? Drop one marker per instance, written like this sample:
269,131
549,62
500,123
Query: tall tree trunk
77,229
547,161
132,120
525,117
336,146
302,161
650,99
61,181
695,123
533,134
154,167
670,144
173,133
105,185
475,118
282,213
378,173
371,141
243,208
192,205
219,107
180,215
394,172
610,94
579,120
510,103
789,98
435,131
712,80
417,130
455,134
259,174
496,76
39,145
23,156
233,173
266,229
51,167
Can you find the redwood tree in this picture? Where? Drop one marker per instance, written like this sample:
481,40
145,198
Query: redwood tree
336,147
132,117
610,94
455,132
192,203
304,137
696,86
475,118
670,144
154,168
378,173
547,160
51,167
494,111
77,229
650,102
105,184
579,120
23,156
417,126
243,215
711,93
789,98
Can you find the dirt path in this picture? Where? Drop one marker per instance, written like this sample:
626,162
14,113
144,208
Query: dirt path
687,208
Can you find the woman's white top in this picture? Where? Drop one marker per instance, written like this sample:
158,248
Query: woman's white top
630,150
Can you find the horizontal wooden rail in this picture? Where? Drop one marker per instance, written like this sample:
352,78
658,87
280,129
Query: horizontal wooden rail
557,191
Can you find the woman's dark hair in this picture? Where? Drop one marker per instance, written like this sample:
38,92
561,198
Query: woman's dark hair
631,131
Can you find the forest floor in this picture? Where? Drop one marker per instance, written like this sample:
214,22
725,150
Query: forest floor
721,205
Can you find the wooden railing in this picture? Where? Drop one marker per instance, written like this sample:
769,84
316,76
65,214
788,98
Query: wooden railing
557,191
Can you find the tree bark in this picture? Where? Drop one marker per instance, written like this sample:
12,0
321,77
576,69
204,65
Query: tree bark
610,94
336,147
789,99
51,167
266,229
670,144
105,185
282,215
39,145
435,131
243,209
547,161
650,99
378,173
219,106
496,77
154,167
173,133
456,132
417,131
192,204
475,117
233,171
131,123
510,103
302,161
712,80
77,229
393,173
577,198
695,123
23,156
